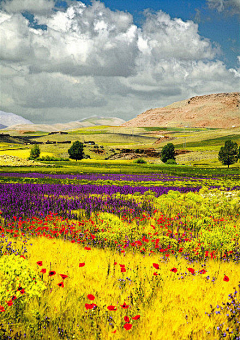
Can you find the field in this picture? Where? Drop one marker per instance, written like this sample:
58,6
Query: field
119,256
112,249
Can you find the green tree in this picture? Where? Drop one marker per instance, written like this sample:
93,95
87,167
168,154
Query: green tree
168,152
35,152
76,151
228,153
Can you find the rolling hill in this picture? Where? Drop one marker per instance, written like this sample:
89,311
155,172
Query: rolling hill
8,119
221,110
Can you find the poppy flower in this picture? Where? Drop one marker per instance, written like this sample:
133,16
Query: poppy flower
226,278
90,305
114,331
9,303
61,284
155,274
136,317
156,266
91,297
126,318
43,271
39,263
125,306
52,272
115,263
127,326
191,270
2,309
63,276
22,291
174,270
112,308
123,270
81,264
14,297
203,271
87,248
23,257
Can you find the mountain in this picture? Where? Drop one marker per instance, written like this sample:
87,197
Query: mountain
8,119
92,121
221,110
2,126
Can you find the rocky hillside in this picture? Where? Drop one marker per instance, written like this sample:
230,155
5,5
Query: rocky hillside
221,110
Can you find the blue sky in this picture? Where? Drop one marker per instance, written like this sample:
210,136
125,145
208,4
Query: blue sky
62,61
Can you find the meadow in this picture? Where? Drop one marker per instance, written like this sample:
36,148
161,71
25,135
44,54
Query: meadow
120,255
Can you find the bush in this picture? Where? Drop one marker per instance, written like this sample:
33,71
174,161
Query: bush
171,161
140,161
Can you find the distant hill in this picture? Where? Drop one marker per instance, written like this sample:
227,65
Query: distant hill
221,110
2,126
8,119
92,121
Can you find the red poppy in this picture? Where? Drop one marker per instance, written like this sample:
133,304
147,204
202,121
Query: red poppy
91,297
61,284
23,257
191,270
43,271
81,264
122,265
39,263
155,274
90,305
114,331
14,297
112,308
2,309
22,291
226,278
136,317
125,306
203,271
126,318
52,272
127,326
123,270
9,303
174,270
156,266
115,263
63,276
87,248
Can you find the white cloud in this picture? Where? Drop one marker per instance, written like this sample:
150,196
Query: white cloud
92,60
232,6
33,6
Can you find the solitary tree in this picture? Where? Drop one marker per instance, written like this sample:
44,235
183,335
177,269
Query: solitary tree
35,152
76,151
168,152
228,153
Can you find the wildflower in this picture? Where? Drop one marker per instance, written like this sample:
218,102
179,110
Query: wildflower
127,326
9,303
174,270
156,266
191,270
61,284
123,269
136,317
90,305
63,276
87,248
39,263
226,278
126,318
43,271
81,264
91,297
112,308
52,272
125,306
203,271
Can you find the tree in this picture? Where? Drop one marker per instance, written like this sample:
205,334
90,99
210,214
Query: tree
228,153
76,151
35,152
168,152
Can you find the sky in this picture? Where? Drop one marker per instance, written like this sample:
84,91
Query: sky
63,61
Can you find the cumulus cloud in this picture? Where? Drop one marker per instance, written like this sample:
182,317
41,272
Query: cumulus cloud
33,6
232,6
90,59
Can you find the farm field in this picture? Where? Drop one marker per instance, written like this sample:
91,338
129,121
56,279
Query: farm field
120,255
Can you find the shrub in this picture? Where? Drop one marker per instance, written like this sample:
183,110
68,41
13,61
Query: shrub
171,161
140,161
35,152
168,152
